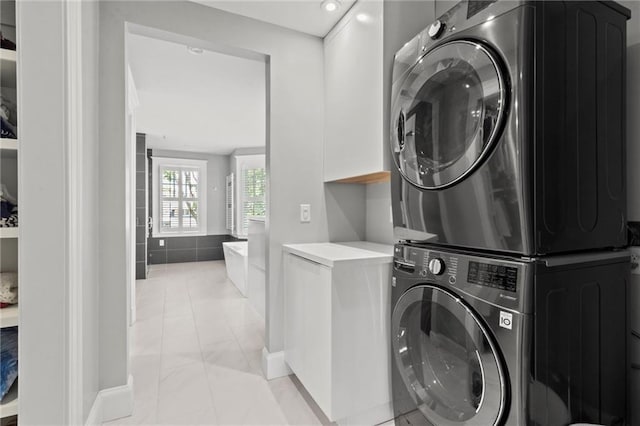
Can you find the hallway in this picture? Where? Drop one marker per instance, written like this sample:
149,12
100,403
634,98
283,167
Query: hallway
196,351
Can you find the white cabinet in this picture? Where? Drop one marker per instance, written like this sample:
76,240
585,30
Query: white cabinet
308,326
336,327
354,143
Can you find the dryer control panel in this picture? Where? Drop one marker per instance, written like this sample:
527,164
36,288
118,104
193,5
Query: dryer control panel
502,281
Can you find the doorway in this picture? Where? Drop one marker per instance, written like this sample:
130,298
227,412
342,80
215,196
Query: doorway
199,123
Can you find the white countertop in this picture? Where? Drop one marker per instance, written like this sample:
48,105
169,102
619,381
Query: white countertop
331,253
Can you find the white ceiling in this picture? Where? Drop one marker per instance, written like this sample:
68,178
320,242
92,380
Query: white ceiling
301,15
211,103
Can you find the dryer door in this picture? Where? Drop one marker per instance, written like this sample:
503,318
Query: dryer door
447,112
447,359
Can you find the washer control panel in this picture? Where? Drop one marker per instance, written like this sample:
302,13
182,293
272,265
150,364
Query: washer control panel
492,275
498,280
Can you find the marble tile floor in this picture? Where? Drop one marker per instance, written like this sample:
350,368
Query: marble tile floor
196,354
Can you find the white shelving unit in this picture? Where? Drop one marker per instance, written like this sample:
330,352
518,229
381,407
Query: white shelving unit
8,152
9,316
9,144
9,232
9,157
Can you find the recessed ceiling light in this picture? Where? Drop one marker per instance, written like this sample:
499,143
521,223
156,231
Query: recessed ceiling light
362,17
330,5
195,50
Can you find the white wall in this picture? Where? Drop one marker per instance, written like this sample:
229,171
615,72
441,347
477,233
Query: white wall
89,206
346,211
217,171
42,262
379,224
294,156
44,194
243,151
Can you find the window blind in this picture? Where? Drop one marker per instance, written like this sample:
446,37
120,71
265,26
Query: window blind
179,199
253,196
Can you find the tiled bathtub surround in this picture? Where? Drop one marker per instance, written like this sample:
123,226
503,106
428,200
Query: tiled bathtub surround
186,249
196,355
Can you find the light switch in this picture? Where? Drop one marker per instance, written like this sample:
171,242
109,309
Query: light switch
305,213
161,243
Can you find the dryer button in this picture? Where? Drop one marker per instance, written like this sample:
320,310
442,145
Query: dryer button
436,29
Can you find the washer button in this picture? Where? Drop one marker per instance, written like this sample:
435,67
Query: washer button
436,266
436,29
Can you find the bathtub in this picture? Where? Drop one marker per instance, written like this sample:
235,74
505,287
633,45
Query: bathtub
236,261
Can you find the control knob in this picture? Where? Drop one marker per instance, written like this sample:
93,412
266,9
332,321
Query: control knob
436,266
436,29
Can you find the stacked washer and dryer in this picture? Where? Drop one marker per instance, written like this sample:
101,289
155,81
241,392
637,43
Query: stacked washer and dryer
509,199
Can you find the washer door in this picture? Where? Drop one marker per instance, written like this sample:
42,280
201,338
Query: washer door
447,113
447,359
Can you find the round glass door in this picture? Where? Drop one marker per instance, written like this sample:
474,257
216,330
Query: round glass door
446,359
446,114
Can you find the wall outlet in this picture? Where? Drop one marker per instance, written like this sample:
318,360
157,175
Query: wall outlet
161,242
635,260
305,213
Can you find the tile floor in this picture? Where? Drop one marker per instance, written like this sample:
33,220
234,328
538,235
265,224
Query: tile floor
196,355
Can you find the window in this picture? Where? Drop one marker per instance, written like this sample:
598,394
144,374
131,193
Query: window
179,189
249,198
253,199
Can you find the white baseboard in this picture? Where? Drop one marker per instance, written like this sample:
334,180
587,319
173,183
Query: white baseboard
274,365
111,404
95,415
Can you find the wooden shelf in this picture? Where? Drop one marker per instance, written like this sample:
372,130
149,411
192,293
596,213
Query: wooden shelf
9,144
9,316
376,177
8,68
9,405
9,232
